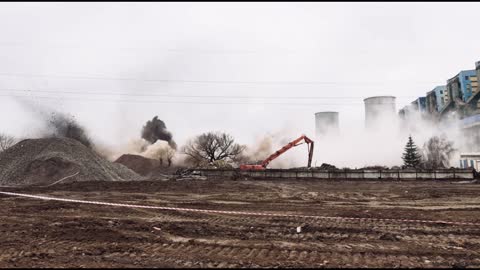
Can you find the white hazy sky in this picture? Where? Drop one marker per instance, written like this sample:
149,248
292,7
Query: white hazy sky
95,60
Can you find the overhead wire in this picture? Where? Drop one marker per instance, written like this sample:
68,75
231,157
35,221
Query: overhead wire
211,81
176,102
97,93
177,96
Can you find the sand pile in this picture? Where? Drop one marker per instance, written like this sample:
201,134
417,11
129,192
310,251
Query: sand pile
45,161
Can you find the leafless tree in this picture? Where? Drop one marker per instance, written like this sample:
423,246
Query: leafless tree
6,141
169,154
211,147
437,152
164,153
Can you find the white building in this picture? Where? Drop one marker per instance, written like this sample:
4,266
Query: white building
470,160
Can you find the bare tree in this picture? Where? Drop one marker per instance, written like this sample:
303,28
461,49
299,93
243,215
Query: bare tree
210,147
6,141
170,153
164,153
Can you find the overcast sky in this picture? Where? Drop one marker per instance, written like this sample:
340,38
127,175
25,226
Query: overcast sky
116,65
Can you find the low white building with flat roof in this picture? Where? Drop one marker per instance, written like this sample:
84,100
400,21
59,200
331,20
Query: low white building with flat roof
470,160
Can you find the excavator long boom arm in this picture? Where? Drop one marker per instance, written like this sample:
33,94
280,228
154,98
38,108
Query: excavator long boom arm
286,148
273,156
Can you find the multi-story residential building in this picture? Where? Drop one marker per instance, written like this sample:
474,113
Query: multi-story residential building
463,86
435,99
431,102
477,67
440,92
420,104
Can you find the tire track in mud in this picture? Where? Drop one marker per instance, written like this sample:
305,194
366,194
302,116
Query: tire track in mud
236,212
342,233
458,240
217,255
268,257
416,241
271,241
198,254
379,227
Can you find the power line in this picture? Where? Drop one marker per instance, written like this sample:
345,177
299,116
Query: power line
182,96
169,50
211,81
180,102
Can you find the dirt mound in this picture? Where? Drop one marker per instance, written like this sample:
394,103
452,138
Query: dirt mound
138,164
147,167
45,161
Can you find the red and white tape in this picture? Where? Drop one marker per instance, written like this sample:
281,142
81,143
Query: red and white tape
236,212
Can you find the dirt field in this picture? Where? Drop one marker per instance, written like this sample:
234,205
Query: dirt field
39,233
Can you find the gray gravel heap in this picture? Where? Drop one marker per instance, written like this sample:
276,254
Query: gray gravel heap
45,161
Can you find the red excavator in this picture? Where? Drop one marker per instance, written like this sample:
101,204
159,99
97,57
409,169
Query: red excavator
263,165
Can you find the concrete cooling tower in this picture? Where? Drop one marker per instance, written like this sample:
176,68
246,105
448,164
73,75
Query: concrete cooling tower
326,123
378,109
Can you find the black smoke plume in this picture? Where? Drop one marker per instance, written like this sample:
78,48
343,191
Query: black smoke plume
62,125
155,130
58,124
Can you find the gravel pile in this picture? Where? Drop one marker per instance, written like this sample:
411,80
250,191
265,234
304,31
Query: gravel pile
45,161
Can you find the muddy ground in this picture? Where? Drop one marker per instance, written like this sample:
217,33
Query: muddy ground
39,233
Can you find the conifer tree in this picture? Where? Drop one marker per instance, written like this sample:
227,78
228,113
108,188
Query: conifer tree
411,157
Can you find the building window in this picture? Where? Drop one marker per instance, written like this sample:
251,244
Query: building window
466,78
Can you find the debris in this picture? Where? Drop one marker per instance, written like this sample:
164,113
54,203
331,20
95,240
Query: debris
326,166
376,167
323,167
188,174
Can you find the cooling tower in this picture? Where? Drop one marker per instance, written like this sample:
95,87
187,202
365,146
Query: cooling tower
379,109
326,123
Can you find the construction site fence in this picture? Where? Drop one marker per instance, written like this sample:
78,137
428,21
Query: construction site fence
445,174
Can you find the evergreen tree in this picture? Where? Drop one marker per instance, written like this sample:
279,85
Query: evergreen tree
411,156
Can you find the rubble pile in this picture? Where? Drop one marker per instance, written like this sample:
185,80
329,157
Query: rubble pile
217,164
48,160
326,166
323,167
376,167
188,174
